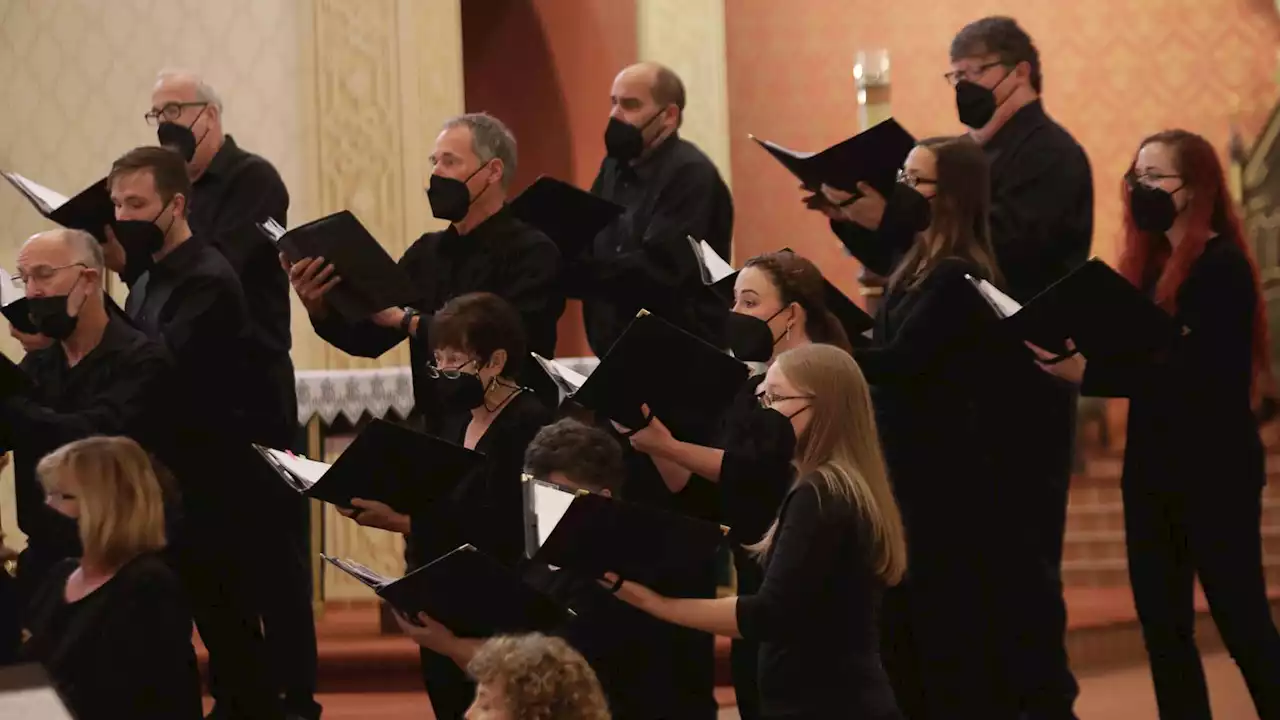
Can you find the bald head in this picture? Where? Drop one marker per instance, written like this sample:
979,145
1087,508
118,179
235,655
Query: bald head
64,247
185,86
663,85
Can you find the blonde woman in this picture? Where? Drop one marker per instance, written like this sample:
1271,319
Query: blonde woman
533,677
112,627
837,542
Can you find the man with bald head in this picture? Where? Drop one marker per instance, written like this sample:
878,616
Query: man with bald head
98,375
670,191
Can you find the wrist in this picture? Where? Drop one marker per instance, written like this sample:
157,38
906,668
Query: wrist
407,324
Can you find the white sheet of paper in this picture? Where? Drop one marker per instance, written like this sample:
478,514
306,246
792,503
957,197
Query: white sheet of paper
308,471
273,228
570,380
716,266
1004,305
38,703
8,291
549,506
361,572
51,198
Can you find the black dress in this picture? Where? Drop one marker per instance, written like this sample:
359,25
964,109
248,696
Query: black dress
755,474
1192,484
123,650
814,615
485,510
934,371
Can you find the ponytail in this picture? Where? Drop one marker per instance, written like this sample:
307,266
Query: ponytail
824,327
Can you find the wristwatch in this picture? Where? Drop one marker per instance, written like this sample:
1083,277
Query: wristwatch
407,321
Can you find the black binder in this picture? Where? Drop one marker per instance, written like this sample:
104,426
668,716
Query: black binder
591,534
13,380
91,210
684,380
568,215
466,591
403,468
1095,307
371,280
873,156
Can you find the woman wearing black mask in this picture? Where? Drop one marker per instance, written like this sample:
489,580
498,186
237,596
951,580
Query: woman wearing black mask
1194,464
779,304
479,347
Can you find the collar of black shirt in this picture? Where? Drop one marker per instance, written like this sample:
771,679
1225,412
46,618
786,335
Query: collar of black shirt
179,259
225,159
649,167
481,235
117,335
1011,134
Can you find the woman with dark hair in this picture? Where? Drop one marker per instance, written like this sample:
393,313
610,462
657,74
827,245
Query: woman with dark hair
478,343
1194,464
934,368
779,304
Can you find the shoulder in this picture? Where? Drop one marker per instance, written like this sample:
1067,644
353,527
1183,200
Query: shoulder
531,414
528,240
151,575
251,167
1223,262
950,273
692,165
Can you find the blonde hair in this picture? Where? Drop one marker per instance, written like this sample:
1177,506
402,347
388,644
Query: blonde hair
121,504
541,677
840,450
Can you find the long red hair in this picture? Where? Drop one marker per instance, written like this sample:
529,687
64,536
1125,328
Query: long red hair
1147,257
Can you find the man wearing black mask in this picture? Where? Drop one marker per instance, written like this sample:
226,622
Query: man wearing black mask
233,190
670,191
98,375
484,249
191,301
1041,228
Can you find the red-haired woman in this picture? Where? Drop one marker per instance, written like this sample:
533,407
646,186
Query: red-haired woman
1193,464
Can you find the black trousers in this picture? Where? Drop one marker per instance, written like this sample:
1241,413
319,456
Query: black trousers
744,655
1211,531
450,688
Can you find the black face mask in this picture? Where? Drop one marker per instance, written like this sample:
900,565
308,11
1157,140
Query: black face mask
451,199
461,394
50,317
180,138
141,239
975,103
914,209
1152,208
769,423
750,338
623,141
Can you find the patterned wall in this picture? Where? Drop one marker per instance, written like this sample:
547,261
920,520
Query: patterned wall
1115,70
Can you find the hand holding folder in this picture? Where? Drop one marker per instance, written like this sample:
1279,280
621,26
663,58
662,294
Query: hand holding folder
91,210
468,592
371,280
402,468
591,534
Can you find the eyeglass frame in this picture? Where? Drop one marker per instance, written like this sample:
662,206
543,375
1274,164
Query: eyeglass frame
955,77
21,280
767,399
912,181
171,111
449,373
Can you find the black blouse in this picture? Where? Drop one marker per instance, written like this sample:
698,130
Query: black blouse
123,650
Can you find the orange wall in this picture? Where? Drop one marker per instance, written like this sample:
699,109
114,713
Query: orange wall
1115,71
545,69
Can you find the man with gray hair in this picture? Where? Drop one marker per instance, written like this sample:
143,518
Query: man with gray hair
98,376
485,248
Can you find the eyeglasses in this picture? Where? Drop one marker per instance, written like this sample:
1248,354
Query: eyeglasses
170,112
449,373
954,77
40,273
1149,178
912,181
767,399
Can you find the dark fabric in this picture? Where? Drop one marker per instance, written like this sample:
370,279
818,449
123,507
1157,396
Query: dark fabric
643,259
124,650
1193,470
503,256
815,613
448,686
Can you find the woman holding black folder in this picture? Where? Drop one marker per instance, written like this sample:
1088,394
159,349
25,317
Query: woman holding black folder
1194,463
836,542
479,348
778,304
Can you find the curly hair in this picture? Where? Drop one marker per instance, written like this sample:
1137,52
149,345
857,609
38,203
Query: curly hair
541,678
588,455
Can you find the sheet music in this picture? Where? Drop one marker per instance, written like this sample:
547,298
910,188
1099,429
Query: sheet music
37,703
1004,305
715,265
46,200
550,503
568,379
9,292
307,472
364,574
273,229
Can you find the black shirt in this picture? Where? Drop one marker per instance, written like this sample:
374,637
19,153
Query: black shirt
486,508
123,650
755,472
815,614
643,259
113,390
501,255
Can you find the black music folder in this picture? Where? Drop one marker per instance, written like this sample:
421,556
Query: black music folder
28,693
13,380
591,534
403,468
91,210
466,591
684,380
1095,307
855,320
371,280
570,216
873,156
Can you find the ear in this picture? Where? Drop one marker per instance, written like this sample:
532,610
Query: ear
797,315
498,361
179,204
496,171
